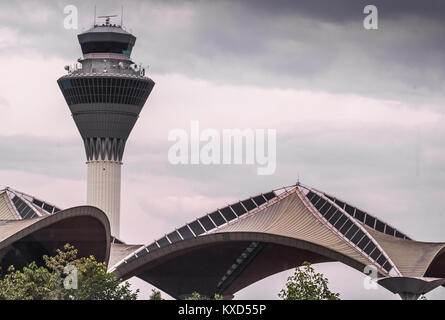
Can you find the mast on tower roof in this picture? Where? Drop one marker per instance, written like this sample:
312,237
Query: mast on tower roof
107,18
122,16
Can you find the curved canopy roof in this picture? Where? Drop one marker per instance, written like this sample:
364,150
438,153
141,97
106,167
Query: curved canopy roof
230,248
31,228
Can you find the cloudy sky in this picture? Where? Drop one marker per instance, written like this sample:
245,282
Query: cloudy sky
359,113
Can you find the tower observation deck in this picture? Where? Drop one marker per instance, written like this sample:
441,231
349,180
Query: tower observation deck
105,92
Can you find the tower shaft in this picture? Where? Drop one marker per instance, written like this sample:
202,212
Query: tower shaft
104,190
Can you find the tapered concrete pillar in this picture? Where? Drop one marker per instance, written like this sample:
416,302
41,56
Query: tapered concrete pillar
409,296
410,288
104,190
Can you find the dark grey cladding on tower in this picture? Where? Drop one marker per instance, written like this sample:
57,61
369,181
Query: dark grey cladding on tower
105,91
106,38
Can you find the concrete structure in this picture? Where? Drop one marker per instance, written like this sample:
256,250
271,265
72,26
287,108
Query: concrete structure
105,92
30,228
226,250
232,247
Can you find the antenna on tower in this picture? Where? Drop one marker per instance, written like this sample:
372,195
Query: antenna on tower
94,19
122,16
107,18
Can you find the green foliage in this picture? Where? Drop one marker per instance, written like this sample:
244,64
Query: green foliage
306,284
155,295
47,282
32,283
196,296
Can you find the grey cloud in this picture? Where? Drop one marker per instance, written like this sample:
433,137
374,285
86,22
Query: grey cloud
4,102
314,45
403,60
52,157
346,10
360,164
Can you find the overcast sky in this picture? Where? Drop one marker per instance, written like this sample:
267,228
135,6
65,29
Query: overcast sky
359,113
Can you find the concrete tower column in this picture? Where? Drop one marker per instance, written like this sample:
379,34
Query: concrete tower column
104,190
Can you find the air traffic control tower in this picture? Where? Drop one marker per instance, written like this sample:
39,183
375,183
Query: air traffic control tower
105,92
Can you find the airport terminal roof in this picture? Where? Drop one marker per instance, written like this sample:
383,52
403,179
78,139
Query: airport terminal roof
16,205
232,247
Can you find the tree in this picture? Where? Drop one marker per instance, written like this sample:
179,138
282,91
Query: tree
64,277
155,295
197,296
306,284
